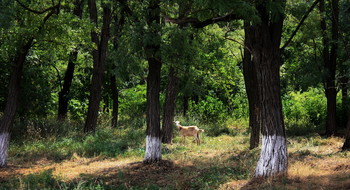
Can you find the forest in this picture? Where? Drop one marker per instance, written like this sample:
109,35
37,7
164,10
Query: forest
92,94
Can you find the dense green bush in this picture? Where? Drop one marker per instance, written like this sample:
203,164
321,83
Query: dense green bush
210,109
133,101
304,111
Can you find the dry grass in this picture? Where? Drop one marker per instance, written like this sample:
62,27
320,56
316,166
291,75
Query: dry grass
219,163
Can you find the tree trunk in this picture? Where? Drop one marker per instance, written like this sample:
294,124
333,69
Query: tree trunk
184,105
12,101
152,51
119,24
251,85
99,57
63,95
273,158
264,44
346,145
344,89
329,60
169,107
115,100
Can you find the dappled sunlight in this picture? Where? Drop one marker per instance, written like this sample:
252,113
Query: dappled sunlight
223,162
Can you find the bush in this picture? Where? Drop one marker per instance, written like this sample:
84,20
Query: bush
133,101
210,109
304,111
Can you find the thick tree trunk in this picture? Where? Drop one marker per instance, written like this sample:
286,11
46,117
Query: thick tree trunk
99,57
153,141
264,43
152,50
169,107
251,85
63,95
273,158
12,101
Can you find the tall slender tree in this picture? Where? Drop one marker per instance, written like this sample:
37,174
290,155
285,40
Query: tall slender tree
329,55
99,57
63,95
172,89
169,108
152,52
251,84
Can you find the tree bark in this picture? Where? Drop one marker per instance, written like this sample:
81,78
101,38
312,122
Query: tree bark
264,44
99,57
63,95
344,90
12,100
251,84
152,51
346,145
119,24
329,60
169,107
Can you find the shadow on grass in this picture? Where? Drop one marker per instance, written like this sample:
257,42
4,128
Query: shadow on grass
167,174
339,181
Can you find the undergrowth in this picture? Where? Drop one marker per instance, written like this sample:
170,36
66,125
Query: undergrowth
219,162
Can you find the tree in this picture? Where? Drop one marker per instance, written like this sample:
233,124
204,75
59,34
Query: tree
152,52
99,57
169,107
119,21
15,81
251,84
264,40
12,99
330,62
346,145
172,88
63,95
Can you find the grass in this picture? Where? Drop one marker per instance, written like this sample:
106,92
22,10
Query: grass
112,159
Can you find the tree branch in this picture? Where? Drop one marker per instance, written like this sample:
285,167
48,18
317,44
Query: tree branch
299,25
38,12
194,22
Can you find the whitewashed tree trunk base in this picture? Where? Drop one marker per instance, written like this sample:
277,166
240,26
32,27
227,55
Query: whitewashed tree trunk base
153,149
4,144
273,158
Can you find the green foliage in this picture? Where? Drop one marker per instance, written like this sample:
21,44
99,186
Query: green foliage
210,109
133,101
304,111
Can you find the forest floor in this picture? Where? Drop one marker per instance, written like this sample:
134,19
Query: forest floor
222,162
